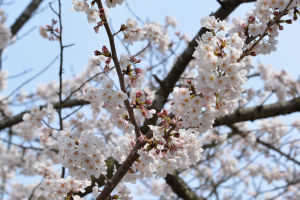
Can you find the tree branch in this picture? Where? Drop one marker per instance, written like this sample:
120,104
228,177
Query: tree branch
25,16
181,188
260,112
8,122
119,71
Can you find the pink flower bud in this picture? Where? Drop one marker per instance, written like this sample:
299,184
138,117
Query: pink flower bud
106,68
177,135
138,70
104,49
108,61
96,29
165,112
133,59
159,114
148,102
157,151
138,94
97,53
251,19
142,138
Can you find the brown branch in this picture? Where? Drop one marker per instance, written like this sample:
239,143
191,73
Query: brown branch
21,20
122,170
5,123
181,188
60,73
287,156
119,71
260,112
110,163
25,16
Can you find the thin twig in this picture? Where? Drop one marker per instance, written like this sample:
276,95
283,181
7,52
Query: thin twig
119,72
59,14
30,79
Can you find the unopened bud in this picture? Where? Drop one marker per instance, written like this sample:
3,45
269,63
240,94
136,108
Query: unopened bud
96,29
133,59
177,135
148,102
157,151
251,19
276,12
138,94
123,27
165,112
108,61
142,138
97,53
289,21
106,68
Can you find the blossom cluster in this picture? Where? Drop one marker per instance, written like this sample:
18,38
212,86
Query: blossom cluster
222,59
161,155
3,76
93,15
34,120
218,85
134,75
152,32
50,31
121,192
83,6
58,188
84,155
281,83
265,21
5,34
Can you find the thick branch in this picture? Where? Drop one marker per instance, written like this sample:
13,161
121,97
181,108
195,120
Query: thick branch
260,112
181,188
5,123
122,170
25,16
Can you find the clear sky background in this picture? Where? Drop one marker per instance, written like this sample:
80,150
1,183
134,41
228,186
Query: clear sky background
34,52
